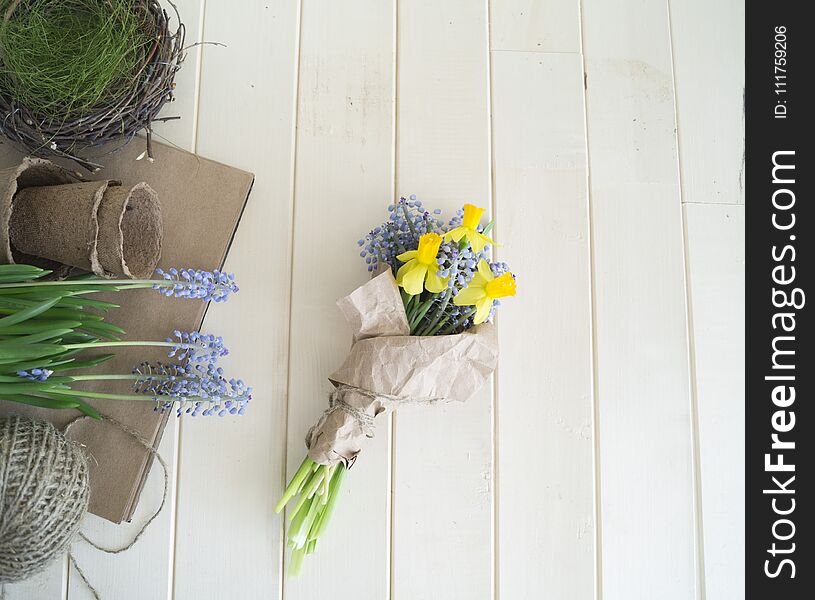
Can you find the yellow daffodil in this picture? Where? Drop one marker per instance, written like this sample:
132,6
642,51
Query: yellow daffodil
483,289
469,228
420,270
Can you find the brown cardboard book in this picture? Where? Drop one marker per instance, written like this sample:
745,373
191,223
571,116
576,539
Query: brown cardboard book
202,202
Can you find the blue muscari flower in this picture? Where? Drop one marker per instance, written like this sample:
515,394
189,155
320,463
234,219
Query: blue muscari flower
36,374
195,347
215,286
193,389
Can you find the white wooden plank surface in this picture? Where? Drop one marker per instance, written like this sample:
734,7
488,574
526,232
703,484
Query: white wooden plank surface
121,576
442,467
535,25
544,434
715,236
343,183
228,540
642,375
708,60
51,584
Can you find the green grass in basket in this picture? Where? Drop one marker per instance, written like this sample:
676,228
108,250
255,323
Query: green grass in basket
63,58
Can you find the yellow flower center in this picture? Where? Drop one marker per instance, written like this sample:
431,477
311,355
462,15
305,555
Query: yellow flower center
428,248
501,286
472,216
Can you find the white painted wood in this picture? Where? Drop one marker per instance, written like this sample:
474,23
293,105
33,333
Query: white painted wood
642,374
228,540
122,576
442,467
51,584
535,25
343,184
715,246
708,60
544,434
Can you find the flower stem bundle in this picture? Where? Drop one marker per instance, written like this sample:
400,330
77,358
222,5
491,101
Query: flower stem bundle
48,327
317,487
436,282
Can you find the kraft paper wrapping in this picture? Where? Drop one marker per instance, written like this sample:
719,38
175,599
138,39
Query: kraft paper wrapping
387,367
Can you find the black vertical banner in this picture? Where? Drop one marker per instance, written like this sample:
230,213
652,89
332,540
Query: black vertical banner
780,257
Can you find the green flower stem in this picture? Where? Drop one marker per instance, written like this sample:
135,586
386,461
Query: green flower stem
110,344
420,314
104,396
410,305
336,482
128,377
296,562
118,283
318,487
407,218
101,396
306,494
449,329
436,320
295,483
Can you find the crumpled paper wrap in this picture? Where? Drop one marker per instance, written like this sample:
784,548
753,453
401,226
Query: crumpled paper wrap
387,367
97,226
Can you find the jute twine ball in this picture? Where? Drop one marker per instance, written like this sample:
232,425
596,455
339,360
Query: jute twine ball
43,495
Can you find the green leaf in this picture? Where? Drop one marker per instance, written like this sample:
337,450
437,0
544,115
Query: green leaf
51,380
28,313
35,326
83,302
42,336
29,386
72,314
40,401
88,410
22,268
103,329
79,402
17,352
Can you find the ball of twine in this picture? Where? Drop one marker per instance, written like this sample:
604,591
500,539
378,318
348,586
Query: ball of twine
43,496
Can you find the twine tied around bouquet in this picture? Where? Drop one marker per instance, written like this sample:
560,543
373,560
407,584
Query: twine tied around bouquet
44,491
376,402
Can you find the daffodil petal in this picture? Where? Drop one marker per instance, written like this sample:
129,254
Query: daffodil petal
478,241
434,283
478,280
484,269
455,234
482,311
406,256
469,296
413,279
400,274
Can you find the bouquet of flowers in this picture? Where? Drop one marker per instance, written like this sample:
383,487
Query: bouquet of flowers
421,335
